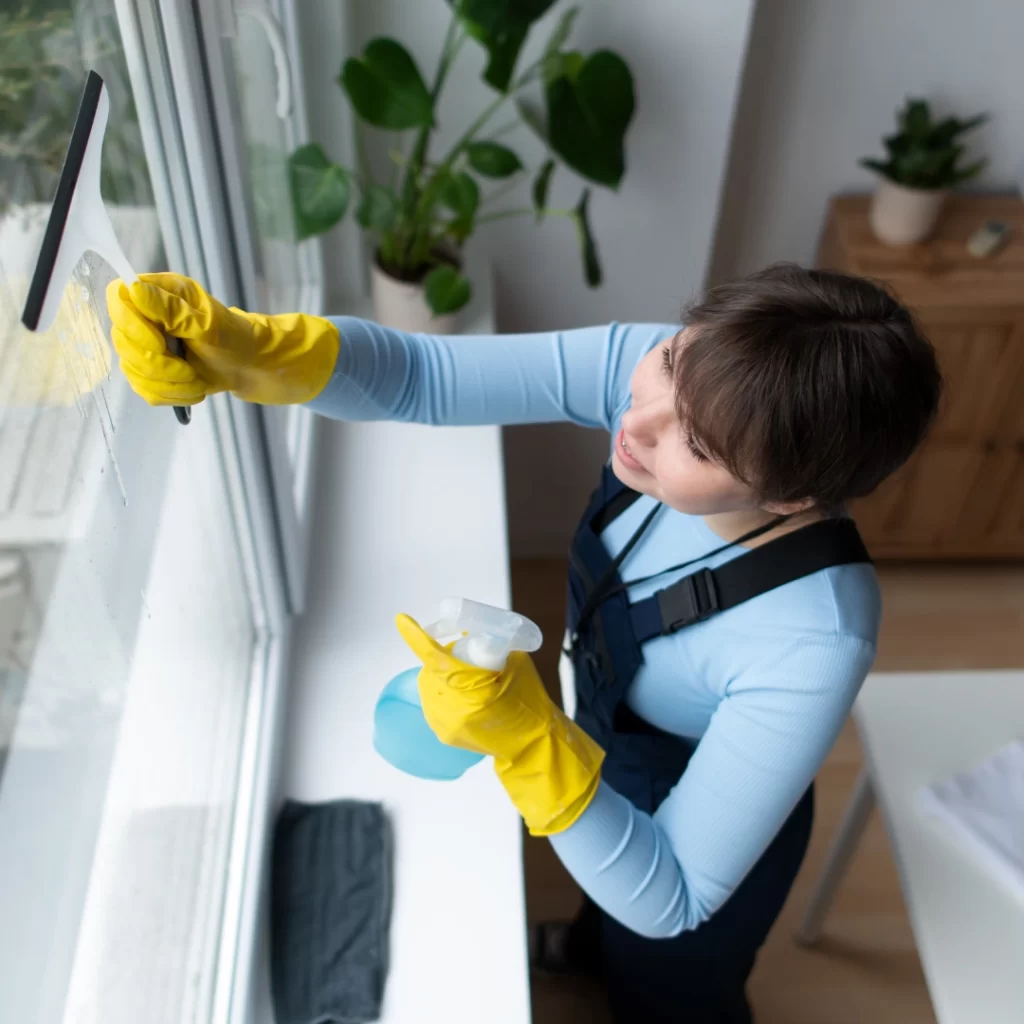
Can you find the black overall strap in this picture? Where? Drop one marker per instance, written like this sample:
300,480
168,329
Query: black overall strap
614,508
606,584
790,557
609,583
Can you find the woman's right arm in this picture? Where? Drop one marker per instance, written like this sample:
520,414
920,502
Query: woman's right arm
354,369
581,376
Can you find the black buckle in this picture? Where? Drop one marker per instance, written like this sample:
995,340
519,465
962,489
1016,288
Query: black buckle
689,600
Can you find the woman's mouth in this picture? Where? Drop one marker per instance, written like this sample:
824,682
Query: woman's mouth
625,456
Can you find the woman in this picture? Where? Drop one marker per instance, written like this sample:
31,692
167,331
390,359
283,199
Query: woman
722,610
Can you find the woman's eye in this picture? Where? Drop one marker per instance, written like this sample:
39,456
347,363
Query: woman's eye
666,359
695,451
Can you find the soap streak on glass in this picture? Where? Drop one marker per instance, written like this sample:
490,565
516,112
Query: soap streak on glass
97,343
49,398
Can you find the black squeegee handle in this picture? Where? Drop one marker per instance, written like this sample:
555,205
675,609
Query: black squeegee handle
177,349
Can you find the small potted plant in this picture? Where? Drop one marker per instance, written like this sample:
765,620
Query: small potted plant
924,162
420,216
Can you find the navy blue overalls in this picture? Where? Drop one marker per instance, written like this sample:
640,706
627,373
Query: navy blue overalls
699,976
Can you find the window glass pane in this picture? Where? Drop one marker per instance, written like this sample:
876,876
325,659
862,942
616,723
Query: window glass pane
287,271
263,103
127,635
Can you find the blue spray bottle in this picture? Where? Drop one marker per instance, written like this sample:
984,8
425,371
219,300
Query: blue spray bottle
486,636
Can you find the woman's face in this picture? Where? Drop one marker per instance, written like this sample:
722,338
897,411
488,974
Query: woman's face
655,455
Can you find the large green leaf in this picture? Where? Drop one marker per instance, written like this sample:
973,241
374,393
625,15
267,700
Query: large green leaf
386,88
540,187
446,289
492,159
501,26
590,104
378,209
588,247
460,193
320,190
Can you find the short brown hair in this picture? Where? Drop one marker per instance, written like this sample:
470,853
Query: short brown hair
805,384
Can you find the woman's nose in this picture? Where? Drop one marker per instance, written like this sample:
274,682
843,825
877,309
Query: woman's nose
644,423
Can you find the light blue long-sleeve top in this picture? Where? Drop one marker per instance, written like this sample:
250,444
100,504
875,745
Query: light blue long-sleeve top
765,687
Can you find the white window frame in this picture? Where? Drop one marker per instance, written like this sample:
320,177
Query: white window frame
213,112
171,75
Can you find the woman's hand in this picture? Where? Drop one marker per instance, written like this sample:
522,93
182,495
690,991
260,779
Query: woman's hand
283,359
549,766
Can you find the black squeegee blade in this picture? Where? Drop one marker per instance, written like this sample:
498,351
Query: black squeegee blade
62,201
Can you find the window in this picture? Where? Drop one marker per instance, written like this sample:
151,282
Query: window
133,622
256,86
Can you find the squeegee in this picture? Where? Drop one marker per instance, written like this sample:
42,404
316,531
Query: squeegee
79,222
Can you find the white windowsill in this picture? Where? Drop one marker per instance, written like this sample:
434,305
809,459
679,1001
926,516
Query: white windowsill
408,515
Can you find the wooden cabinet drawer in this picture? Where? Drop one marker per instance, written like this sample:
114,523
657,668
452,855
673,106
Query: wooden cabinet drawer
956,501
983,367
992,517
913,511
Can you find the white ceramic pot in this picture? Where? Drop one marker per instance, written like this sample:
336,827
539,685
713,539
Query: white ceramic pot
903,216
403,305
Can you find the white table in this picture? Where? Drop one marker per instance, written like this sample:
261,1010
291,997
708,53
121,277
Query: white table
917,728
408,515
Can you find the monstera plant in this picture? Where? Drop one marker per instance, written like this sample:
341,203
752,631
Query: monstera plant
580,105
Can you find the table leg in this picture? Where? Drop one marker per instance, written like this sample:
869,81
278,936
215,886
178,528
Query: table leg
844,845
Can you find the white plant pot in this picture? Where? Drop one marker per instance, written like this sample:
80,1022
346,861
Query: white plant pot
903,216
402,305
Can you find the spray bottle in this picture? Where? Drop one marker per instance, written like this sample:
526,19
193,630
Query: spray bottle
486,637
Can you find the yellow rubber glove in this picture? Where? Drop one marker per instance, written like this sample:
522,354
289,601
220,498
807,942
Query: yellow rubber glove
282,359
548,765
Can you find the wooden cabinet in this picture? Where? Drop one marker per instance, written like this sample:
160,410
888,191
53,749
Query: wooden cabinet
962,494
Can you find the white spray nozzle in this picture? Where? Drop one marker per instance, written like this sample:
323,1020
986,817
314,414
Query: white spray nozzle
487,634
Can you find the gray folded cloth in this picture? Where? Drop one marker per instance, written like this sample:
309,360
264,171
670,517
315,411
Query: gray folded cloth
330,909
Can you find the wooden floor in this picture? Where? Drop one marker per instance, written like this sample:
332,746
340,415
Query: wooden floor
866,967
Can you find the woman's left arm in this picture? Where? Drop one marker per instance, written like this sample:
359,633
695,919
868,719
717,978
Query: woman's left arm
664,874
349,368
580,376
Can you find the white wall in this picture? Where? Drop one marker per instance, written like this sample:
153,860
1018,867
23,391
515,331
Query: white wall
823,80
